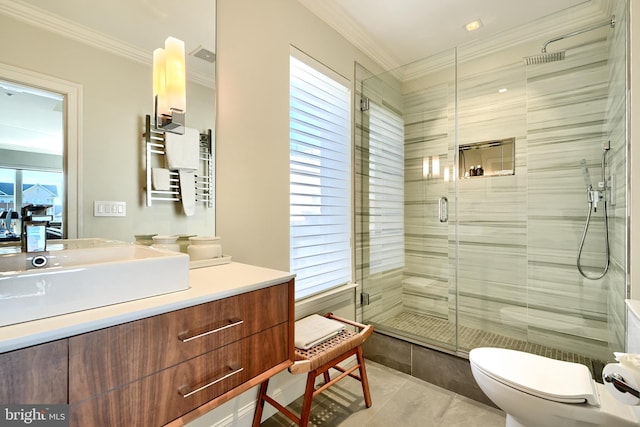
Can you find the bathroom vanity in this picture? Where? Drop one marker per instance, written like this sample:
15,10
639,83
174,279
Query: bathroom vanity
161,360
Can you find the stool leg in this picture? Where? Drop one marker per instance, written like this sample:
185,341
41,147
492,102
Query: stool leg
363,378
327,377
308,398
257,416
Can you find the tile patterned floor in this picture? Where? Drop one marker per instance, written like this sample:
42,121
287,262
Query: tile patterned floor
399,400
436,330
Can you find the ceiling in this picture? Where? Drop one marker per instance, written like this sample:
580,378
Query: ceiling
393,33
399,32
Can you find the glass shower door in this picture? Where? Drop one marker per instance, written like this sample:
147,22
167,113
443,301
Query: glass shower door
405,164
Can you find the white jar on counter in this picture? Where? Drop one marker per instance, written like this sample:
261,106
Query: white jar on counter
166,242
183,242
204,247
144,239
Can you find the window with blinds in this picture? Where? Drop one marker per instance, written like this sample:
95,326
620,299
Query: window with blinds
320,177
386,189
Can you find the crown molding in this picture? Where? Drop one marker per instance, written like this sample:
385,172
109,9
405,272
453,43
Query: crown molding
24,12
581,15
562,22
334,16
45,20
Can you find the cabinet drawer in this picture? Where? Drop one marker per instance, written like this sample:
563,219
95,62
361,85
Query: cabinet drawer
34,375
170,393
102,360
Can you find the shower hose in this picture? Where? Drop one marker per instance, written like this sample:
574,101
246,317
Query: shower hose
591,203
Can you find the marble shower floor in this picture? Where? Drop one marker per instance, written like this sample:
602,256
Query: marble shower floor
399,400
436,330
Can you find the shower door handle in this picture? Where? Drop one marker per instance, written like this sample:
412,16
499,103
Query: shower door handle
443,209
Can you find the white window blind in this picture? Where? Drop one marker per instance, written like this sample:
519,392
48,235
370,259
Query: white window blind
386,189
320,179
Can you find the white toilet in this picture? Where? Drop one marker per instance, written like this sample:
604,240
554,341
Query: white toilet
536,391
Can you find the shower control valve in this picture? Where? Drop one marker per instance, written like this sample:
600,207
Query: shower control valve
593,197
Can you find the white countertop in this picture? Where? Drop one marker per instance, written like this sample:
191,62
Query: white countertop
206,284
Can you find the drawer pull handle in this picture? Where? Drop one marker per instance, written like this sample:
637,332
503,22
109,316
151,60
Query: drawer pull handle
188,336
186,392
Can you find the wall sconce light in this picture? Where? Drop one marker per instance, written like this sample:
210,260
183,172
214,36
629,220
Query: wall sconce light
435,166
169,86
431,167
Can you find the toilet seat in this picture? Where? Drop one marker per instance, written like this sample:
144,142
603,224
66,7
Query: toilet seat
550,379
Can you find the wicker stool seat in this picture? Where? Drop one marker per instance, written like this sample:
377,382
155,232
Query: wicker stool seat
318,360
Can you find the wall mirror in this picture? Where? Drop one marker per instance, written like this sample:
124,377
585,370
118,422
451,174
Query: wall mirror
103,54
33,143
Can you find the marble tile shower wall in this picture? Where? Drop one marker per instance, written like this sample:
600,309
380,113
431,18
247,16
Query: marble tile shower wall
517,235
428,120
566,103
492,211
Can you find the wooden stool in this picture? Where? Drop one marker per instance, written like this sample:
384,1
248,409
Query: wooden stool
318,360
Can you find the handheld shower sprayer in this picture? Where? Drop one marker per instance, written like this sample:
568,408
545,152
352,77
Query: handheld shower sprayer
585,173
593,197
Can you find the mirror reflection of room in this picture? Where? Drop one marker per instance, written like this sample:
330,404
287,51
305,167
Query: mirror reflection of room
31,157
104,71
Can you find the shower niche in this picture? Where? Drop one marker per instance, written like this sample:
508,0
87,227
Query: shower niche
487,158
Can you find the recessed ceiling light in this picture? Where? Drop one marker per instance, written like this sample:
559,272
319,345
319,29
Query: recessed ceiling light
502,90
473,25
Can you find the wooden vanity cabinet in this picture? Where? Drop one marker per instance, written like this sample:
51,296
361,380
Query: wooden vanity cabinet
35,375
176,366
157,399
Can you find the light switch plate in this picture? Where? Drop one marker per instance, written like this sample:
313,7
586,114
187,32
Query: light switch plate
109,208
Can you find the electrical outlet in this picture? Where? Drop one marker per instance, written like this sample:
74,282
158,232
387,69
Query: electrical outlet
109,208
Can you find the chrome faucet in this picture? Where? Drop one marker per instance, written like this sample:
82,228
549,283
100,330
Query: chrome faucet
33,236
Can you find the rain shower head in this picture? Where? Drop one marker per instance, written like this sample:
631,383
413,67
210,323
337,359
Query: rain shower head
544,58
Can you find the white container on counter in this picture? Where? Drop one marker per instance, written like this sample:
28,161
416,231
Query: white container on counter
204,247
144,239
166,242
183,242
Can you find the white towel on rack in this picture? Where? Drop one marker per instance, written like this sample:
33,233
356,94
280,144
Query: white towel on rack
188,191
182,151
160,179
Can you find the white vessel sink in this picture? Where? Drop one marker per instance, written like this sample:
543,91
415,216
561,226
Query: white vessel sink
83,274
